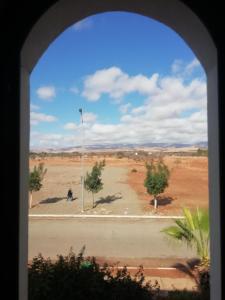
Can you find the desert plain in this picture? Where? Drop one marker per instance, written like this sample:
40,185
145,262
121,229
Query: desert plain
123,191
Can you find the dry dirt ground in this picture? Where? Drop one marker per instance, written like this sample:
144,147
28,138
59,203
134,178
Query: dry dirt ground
188,185
123,192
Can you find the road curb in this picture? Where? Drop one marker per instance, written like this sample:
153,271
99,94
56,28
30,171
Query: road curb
70,216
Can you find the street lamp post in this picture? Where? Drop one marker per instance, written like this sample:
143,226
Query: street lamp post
82,159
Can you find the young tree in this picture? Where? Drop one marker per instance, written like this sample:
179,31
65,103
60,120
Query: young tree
156,179
35,180
93,182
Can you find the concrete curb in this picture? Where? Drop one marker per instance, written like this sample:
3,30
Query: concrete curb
149,268
70,216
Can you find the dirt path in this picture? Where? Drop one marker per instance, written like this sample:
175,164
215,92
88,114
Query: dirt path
117,196
188,185
124,192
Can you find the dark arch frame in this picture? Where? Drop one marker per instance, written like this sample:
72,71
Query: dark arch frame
177,16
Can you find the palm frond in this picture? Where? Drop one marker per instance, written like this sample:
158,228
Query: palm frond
193,230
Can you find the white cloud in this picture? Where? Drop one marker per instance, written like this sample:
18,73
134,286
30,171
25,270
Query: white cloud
180,68
138,110
46,92
34,107
114,82
36,118
83,24
174,110
70,126
40,140
125,107
192,65
177,66
89,117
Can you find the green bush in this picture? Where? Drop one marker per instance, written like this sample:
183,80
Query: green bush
186,295
73,277
202,152
120,154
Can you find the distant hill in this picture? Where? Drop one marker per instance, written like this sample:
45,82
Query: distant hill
119,146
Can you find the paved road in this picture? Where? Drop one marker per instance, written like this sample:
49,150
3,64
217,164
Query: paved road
104,238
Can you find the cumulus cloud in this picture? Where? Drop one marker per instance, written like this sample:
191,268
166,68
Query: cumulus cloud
192,66
34,107
116,83
36,118
174,110
83,24
40,140
70,126
177,66
46,92
125,107
89,117
180,68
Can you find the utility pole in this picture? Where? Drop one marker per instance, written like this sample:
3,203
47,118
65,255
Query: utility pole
82,159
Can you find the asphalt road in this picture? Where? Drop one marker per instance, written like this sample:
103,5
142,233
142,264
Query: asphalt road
104,238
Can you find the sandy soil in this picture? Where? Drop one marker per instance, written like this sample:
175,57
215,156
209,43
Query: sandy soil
188,185
123,192
117,197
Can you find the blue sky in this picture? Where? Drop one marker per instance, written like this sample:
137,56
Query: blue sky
135,79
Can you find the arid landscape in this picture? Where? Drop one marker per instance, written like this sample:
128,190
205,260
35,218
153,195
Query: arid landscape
110,237
123,192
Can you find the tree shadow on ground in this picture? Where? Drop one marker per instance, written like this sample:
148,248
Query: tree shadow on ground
189,268
52,200
162,201
108,199
55,200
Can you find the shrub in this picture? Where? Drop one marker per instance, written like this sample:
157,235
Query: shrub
202,152
73,277
186,295
120,154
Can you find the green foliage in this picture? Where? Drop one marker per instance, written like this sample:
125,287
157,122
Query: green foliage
202,152
93,182
68,279
43,155
156,178
193,230
186,295
120,154
36,176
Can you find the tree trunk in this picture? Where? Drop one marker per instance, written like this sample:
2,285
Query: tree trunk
30,200
155,203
